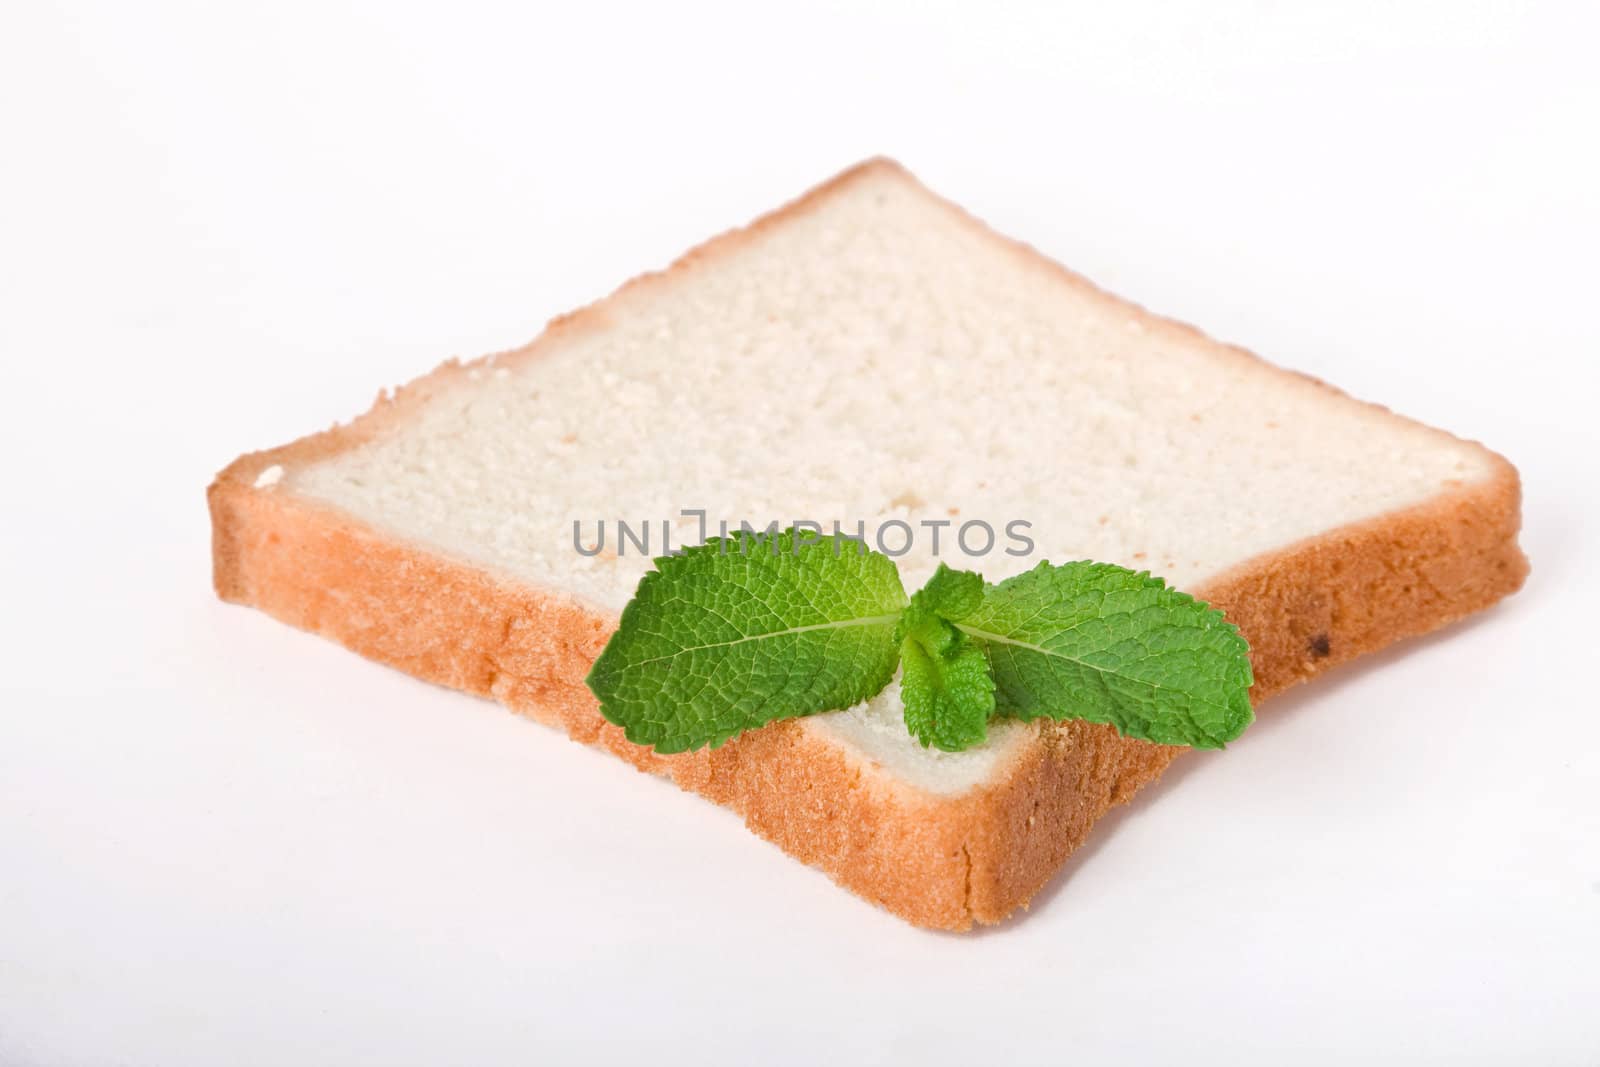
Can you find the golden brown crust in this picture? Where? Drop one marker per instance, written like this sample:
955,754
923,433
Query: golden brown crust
937,861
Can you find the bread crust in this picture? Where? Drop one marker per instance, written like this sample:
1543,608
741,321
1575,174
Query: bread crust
937,861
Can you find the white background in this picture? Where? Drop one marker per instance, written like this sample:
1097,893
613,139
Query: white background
223,226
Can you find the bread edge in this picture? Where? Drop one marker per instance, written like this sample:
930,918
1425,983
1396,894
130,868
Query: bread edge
936,861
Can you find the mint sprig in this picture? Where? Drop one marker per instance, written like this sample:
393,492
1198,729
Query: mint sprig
743,631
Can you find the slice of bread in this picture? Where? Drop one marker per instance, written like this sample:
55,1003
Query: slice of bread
867,353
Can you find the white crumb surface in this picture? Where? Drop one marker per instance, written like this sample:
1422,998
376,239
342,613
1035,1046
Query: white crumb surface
879,358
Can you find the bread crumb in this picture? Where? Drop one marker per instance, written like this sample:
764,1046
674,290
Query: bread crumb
269,477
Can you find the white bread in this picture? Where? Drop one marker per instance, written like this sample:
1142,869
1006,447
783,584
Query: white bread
867,353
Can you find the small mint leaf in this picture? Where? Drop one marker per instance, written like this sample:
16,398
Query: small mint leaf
735,633
950,594
1099,642
945,684
946,687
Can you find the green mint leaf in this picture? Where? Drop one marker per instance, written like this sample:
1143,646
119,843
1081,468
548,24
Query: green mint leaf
945,684
1103,643
737,632
950,594
945,687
